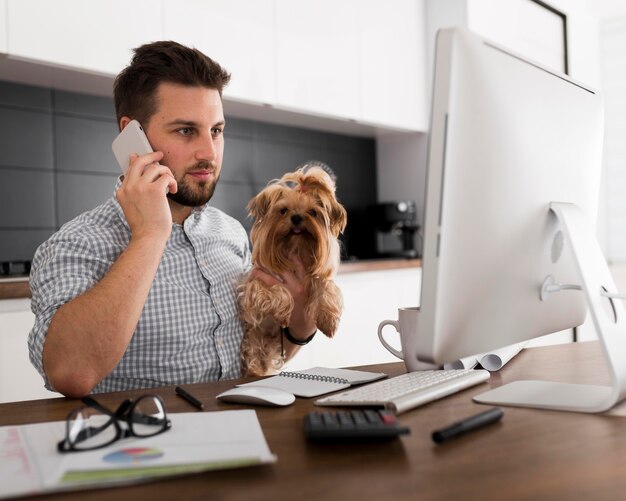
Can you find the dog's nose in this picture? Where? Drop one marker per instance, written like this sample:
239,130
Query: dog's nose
296,219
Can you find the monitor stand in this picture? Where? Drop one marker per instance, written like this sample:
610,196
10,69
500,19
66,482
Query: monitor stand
609,318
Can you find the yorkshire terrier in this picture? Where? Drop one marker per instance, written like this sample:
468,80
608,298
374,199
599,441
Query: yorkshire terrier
297,216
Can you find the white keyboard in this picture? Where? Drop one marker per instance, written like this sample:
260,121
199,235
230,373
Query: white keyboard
408,391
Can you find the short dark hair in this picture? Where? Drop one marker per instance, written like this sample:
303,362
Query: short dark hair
135,87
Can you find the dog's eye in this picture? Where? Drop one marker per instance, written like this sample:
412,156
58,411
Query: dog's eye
283,211
313,213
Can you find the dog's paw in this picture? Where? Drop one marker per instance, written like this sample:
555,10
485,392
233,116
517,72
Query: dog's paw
327,323
259,302
329,309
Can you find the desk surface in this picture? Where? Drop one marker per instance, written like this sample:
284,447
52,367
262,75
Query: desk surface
530,454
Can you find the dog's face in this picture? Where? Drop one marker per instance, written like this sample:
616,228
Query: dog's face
298,215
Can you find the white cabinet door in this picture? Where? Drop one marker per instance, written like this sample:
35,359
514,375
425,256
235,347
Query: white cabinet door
3,26
392,41
18,378
369,298
317,56
95,35
238,34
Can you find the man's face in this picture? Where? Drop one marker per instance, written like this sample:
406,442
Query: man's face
188,128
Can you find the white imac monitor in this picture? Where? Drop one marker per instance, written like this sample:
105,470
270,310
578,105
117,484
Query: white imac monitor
514,166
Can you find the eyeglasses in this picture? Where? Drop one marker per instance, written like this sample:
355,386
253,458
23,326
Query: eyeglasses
94,426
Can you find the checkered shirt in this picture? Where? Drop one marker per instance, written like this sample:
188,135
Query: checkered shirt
189,330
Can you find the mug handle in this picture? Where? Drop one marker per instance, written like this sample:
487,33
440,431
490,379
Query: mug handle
382,339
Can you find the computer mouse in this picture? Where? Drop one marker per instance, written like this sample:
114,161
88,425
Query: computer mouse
257,395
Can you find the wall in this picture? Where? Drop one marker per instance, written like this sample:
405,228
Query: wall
613,36
56,162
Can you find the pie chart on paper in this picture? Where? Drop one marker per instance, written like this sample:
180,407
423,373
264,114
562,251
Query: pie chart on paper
133,455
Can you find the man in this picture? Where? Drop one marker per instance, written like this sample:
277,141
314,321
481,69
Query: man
141,291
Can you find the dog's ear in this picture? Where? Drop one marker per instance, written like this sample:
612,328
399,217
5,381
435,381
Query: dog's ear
339,218
258,206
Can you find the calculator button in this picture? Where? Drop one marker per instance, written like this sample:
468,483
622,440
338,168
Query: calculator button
359,418
345,420
353,424
329,419
372,417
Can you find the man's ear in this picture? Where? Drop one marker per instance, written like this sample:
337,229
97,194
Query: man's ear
124,122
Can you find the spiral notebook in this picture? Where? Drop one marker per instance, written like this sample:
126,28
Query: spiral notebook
316,381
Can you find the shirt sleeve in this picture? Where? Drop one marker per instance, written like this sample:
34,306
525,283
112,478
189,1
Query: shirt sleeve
63,268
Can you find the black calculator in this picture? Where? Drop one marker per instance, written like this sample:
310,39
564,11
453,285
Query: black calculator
368,424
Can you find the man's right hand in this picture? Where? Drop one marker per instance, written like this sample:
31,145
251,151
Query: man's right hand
143,199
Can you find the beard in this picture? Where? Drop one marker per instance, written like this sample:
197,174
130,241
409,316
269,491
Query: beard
197,194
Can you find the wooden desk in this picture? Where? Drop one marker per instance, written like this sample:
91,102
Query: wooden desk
530,454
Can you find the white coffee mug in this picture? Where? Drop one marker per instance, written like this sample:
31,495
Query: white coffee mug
406,326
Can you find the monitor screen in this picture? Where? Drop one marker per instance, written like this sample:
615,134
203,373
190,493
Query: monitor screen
508,137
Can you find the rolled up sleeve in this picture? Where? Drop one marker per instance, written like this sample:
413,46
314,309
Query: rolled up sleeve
63,268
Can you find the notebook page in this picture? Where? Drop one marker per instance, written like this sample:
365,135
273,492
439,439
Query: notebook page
316,381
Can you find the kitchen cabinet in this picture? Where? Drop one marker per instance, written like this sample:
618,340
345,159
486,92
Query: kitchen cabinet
239,34
393,68
317,53
362,60
354,60
95,36
18,378
350,66
369,298
3,26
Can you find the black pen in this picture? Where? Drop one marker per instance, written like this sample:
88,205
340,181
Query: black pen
190,398
469,424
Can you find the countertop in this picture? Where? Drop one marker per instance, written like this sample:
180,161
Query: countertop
378,265
17,287
14,287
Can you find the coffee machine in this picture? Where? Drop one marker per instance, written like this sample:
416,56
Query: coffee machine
396,225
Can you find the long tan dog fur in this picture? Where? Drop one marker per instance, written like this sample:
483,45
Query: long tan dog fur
297,215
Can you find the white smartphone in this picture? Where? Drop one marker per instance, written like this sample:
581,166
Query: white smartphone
131,140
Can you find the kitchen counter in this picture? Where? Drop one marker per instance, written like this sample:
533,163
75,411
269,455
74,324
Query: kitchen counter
14,287
17,287
378,265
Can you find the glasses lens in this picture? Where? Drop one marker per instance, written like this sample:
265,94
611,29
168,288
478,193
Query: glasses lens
148,416
87,429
